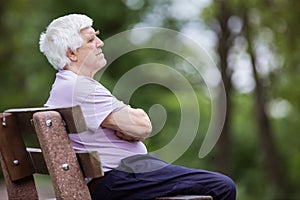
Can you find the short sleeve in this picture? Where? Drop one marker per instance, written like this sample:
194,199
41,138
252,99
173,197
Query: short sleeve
96,101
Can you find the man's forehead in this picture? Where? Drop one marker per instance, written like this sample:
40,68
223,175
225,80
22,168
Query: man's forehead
87,31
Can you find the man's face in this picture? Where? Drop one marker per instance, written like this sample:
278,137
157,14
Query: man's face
90,56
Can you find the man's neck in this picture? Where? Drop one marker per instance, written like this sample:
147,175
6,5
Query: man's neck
79,71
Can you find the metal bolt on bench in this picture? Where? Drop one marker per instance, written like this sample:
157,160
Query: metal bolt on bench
48,122
65,166
16,162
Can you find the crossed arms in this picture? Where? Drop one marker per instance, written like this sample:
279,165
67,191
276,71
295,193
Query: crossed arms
129,123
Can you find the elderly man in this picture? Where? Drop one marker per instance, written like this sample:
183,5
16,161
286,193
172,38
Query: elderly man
115,130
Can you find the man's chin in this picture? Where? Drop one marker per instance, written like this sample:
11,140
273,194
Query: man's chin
102,64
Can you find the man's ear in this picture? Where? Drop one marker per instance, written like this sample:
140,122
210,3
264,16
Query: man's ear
71,55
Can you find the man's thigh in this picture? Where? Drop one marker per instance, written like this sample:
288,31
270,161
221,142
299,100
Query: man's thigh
169,180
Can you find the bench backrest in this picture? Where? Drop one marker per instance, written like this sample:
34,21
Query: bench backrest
55,156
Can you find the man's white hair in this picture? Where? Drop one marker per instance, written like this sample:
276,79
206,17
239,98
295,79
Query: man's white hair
62,34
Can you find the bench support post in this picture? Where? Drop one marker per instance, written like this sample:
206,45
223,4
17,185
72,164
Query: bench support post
67,178
20,189
18,177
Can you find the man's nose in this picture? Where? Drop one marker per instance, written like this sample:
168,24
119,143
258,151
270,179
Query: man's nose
100,43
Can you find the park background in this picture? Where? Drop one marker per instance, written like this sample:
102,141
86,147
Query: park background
255,45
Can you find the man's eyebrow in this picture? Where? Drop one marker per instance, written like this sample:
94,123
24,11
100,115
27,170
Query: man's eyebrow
93,34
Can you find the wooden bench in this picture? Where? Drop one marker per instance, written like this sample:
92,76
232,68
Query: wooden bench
54,155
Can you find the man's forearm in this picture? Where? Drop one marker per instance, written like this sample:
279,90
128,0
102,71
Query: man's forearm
130,121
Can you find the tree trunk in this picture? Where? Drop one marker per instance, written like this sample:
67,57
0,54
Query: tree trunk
223,156
274,163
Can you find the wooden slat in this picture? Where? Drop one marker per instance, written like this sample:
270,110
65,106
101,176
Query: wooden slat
37,160
89,162
13,150
72,116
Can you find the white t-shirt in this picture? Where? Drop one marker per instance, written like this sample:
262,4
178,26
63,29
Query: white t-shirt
97,103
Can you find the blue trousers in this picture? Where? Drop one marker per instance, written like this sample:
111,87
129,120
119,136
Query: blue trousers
146,177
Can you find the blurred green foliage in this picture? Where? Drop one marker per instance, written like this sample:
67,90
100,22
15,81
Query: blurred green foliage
26,76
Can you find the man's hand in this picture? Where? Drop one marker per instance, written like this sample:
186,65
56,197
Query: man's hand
127,137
